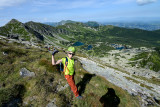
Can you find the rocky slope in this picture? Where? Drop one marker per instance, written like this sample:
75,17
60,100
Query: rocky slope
148,91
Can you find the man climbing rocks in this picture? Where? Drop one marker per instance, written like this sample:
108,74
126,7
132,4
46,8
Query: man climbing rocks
68,63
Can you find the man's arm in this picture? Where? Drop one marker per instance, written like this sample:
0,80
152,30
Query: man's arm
57,62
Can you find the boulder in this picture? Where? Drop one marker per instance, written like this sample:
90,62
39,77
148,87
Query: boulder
26,73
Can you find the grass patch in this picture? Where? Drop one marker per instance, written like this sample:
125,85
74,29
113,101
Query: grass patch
148,87
153,80
48,65
135,81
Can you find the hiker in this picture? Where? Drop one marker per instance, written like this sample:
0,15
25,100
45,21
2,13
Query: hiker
68,63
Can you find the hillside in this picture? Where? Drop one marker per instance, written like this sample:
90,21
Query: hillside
70,33
157,31
103,37
89,34
111,34
17,30
47,86
97,41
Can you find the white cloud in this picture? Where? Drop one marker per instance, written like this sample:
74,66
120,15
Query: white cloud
143,2
6,3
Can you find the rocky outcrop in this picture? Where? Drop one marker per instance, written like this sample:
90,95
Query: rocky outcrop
26,73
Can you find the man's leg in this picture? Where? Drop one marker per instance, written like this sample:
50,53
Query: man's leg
70,80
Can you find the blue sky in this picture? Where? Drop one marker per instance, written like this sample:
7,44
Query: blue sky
77,10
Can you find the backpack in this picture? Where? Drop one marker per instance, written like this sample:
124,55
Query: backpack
61,65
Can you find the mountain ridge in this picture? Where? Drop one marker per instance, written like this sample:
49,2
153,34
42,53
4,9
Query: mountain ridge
72,32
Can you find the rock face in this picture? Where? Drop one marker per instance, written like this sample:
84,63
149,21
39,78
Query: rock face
135,86
26,73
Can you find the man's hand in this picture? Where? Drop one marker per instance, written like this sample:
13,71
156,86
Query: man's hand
54,52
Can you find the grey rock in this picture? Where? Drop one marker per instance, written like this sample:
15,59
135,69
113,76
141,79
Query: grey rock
26,73
62,87
51,104
4,53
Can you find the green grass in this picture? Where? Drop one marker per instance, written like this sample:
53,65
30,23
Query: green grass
41,89
135,81
66,37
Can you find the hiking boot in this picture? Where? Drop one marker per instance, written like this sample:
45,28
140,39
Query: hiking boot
79,97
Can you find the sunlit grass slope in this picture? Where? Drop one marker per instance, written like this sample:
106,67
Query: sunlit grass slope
38,91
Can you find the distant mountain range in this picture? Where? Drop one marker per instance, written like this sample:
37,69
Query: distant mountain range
59,23
63,22
150,26
90,33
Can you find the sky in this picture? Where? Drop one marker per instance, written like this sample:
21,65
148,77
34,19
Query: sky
78,10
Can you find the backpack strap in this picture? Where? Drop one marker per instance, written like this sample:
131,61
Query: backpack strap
61,67
66,63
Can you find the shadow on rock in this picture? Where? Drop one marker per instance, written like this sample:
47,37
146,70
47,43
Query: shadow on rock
82,84
110,99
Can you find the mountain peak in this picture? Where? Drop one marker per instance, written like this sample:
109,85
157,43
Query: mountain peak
14,21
